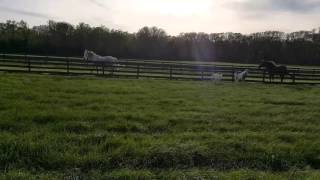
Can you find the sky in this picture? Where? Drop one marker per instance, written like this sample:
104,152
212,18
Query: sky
174,16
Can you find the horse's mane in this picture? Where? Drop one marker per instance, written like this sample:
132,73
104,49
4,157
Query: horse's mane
92,53
274,63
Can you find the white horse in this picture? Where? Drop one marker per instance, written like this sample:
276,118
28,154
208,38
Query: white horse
217,77
91,57
241,76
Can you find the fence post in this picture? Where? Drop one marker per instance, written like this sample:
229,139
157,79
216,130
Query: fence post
103,69
112,70
202,76
313,74
138,71
233,71
68,64
294,77
29,63
170,72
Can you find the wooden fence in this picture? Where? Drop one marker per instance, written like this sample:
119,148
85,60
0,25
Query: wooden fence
131,68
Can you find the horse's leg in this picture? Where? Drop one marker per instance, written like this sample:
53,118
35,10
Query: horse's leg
91,68
273,75
270,77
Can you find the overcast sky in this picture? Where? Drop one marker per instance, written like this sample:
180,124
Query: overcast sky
174,16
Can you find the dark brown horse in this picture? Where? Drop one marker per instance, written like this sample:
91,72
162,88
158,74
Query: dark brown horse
273,69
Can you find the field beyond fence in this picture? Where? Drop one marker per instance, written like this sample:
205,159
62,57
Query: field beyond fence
132,68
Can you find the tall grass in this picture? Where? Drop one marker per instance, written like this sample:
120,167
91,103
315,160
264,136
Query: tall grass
69,127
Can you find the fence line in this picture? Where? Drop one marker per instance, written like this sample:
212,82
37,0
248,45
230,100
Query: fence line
145,69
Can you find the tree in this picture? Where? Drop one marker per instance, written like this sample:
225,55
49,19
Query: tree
64,39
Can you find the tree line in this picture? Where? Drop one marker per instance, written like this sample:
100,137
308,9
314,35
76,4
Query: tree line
64,39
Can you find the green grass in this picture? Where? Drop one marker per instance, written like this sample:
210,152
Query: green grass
55,127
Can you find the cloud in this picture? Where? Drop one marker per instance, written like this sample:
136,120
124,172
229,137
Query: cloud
174,16
294,6
96,2
26,13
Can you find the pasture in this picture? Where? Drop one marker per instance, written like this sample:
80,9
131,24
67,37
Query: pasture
63,127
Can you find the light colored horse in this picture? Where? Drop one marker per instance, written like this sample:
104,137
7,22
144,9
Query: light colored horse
90,56
101,61
216,77
241,76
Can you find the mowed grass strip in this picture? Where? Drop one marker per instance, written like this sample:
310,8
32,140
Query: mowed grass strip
56,125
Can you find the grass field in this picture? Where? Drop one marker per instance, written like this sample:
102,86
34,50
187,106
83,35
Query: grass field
56,127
